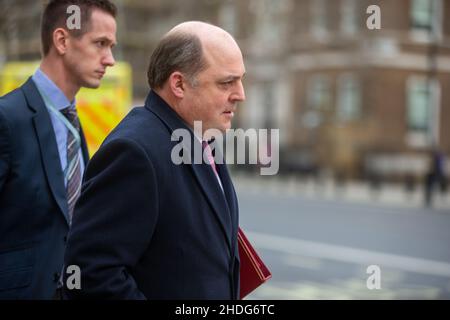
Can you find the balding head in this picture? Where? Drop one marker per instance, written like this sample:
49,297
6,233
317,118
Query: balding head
187,48
204,31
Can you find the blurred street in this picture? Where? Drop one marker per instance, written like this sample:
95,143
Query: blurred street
320,248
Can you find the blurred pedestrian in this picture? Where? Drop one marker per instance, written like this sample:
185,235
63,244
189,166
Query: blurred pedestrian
435,176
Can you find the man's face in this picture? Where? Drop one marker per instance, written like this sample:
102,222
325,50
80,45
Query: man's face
88,56
218,89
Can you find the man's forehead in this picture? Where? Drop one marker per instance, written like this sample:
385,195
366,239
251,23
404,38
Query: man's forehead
100,35
220,73
227,62
222,53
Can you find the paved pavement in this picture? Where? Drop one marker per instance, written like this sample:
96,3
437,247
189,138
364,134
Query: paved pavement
318,241
390,195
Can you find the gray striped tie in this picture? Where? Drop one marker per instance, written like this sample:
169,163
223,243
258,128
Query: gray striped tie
74,173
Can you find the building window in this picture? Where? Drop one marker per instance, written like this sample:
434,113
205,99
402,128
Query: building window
418,116
349,98
421,14
319,93
348,17
422,111
319,20
426,16
270,24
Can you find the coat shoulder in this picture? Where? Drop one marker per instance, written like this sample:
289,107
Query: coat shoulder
12,102
14,109
145,129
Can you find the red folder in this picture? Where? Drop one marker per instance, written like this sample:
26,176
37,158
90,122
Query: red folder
253,271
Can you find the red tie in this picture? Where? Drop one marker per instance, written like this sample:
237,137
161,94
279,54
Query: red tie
209,155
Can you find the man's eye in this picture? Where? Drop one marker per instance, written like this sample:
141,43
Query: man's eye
101,43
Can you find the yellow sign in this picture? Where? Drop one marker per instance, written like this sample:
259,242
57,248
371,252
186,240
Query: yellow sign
100,110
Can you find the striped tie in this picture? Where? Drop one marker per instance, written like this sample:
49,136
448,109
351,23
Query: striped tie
74,173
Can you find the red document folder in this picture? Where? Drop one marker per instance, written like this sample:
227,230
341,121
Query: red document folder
253,271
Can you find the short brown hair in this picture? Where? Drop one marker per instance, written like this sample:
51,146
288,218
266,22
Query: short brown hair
178,51
55,16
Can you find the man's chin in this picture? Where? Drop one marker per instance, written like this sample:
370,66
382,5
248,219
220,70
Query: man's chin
225,127
222,128
92,84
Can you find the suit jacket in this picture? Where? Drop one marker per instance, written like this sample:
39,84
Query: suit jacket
33,204
146,228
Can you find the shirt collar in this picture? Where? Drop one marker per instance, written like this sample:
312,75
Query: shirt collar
51,90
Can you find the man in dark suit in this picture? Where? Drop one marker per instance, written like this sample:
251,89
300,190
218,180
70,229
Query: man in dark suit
145,227
42,148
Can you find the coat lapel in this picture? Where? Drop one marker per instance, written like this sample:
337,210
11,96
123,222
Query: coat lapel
211,188
227,184
47,144
84,148
230,193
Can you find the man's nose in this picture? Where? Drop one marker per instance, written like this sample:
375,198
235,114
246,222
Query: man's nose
109,59
239,95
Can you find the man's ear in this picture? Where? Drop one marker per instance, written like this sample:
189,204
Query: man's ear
177,84
60,40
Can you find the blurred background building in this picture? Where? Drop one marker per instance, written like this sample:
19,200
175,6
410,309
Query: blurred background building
350,102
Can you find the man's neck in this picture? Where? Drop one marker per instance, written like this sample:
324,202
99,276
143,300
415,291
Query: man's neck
56,72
